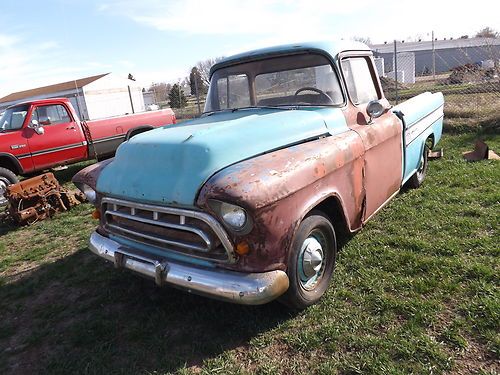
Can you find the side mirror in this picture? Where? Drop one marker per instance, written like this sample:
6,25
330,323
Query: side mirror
46,121
374,109
37,127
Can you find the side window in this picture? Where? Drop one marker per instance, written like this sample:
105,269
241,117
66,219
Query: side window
233,91
359,80
51,115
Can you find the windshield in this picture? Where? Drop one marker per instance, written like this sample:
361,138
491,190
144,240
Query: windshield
13,118
296,80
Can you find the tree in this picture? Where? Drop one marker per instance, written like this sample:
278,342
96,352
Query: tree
487,32
160,90
196,83
204,69
176,97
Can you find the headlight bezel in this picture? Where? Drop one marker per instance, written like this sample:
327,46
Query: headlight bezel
89,193
220,206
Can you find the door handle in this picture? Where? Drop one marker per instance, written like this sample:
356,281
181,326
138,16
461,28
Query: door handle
72,127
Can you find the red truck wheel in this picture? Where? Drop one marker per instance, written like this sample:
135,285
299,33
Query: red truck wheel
7,177
311,261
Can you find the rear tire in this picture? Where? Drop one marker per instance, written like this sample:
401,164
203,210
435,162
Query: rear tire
7,177
311,261
418,177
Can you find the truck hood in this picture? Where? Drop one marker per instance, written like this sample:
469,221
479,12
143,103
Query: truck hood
169,165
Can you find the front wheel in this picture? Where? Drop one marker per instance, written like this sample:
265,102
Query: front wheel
7,177
311,261
418,177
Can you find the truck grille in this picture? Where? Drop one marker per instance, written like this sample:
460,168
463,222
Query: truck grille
188,232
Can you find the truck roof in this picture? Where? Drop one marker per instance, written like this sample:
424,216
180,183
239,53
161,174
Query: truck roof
41,101
331,48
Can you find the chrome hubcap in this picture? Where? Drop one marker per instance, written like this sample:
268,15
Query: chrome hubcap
3,189
311,260
421,167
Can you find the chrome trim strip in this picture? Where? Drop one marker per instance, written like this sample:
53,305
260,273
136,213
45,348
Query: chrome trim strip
229,286
157,239
112,138
209,220
182,227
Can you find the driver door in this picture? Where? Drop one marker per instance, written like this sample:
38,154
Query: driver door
62,140
382,136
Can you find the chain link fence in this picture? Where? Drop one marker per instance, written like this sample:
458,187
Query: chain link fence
466,71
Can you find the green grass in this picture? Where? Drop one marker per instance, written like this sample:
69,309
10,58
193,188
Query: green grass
416,291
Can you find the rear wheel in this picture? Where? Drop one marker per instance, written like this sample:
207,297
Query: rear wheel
311,261
7,177
418,177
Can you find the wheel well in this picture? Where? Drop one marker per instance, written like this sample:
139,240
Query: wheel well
6,162
430,141
332,208
138,130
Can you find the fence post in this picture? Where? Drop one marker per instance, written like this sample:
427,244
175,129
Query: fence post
396,71
433,58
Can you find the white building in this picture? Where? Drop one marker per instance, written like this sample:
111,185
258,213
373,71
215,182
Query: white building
104,95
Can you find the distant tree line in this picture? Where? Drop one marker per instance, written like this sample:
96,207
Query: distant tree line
197,81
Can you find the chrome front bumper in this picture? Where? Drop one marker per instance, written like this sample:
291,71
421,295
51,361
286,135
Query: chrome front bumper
229,286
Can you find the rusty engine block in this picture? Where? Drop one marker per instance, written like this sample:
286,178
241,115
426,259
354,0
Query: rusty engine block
39,198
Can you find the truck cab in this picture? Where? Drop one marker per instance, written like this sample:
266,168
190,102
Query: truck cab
296,145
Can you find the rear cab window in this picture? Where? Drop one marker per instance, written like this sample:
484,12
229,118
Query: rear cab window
360,79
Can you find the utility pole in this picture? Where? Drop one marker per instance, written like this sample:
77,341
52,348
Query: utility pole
433,58
131,101
197,92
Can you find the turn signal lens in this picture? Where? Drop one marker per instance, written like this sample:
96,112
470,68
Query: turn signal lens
96,214
242,248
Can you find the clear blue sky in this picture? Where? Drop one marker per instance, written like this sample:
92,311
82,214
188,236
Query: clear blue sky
49,41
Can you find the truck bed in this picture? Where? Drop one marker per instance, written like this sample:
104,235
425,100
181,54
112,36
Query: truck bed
108,133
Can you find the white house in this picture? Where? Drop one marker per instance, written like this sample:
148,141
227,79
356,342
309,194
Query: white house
99,96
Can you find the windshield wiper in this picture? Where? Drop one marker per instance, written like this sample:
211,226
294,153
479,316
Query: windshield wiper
283,107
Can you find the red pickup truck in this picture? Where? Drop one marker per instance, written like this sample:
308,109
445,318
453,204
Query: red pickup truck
42,134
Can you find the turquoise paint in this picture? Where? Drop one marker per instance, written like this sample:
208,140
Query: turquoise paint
415,111
169,165
329,48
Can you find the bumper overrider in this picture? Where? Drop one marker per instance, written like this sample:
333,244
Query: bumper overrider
229,286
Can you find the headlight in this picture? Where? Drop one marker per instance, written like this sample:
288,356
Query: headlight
90,193
234,216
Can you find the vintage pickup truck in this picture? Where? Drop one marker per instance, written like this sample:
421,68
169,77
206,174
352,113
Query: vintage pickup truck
46,133
296,145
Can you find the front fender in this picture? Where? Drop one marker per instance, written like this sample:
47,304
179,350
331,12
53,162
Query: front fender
279,188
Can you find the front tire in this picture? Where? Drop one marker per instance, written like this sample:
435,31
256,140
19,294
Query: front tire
418,177
311,261
7,177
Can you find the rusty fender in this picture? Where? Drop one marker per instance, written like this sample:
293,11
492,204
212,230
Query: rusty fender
90,174
278,189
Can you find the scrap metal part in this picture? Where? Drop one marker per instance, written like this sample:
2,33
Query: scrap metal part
481,152
39,198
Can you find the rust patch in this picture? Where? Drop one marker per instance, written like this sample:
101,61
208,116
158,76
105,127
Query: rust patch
90,174
279,188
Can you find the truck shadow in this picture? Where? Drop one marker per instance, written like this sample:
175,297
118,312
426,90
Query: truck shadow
103,320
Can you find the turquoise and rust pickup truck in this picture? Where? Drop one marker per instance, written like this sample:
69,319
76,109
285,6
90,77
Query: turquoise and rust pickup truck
244,204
